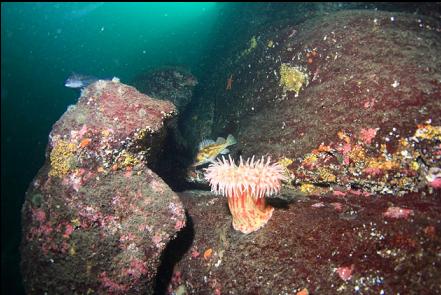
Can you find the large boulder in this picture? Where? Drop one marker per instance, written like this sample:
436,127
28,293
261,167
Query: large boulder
177,85
354,69
349,98
96,218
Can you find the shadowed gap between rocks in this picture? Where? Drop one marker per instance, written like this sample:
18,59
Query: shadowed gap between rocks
174,160
172,254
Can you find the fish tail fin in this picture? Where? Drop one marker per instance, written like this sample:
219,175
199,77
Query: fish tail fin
225,151
231,140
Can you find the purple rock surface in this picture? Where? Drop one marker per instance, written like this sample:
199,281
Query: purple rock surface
327,244
96,219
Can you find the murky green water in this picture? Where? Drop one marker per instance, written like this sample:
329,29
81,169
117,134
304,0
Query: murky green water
43,43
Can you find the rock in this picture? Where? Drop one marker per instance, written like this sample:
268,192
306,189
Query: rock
349,104
359,76
171,83
176,85
341,96
96,218
315,247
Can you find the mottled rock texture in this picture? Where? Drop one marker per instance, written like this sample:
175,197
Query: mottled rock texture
348,103
326,244
171,83
370,83
369,69
361,142
177,85
96,218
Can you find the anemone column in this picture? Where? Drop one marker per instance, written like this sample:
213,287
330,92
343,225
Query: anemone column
249,213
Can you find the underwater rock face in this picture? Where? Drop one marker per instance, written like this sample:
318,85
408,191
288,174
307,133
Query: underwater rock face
173,84
340,98
96,218
349,103
366,69
176,85
326,244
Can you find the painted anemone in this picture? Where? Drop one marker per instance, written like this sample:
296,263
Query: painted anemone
245,186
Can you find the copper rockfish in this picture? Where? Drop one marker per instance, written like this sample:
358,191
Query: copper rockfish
210,149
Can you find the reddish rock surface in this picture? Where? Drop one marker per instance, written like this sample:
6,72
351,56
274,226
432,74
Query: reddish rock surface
320,248
367,115
369,69
96,219
361,142
177,85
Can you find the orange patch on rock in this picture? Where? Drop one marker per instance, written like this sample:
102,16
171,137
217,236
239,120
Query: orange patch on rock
85,142
208,253
304,291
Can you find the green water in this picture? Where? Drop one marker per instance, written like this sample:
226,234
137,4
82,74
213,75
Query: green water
42,44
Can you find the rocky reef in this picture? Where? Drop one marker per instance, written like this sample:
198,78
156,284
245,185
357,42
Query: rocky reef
353,88
96,218
365,70
347,107
177,85
348,102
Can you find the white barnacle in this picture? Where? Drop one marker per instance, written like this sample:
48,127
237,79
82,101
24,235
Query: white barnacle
100,85
142,112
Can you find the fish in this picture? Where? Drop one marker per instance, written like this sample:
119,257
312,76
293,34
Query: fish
210,149
79,81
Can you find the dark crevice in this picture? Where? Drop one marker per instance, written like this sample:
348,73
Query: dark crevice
278,203
172,254
173,161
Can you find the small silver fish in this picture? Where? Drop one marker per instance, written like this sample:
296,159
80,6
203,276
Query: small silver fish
79,81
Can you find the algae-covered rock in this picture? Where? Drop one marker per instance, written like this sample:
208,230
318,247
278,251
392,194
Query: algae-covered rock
96,219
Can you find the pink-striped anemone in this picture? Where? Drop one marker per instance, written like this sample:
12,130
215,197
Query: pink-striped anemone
245,185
